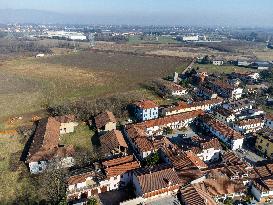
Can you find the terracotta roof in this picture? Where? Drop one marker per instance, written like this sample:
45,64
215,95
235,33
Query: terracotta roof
221,185
65,118
192,195
139,138
231,158
120,165
196,160
118,161
223,128
249,122
80,178
146,104
111,140
264,171
213,143
104,118
264,185
170,119
154,180
45,141
224,112
182,105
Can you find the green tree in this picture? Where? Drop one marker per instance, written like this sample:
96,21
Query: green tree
92,201
153,159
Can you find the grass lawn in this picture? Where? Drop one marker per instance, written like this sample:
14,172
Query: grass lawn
11,182
81,138
221,69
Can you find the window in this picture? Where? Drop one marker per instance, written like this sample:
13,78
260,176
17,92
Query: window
115,178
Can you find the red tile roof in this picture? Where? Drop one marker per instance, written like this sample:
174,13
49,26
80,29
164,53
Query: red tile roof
45,144
111,140
120,166
146,104
104,118
192,195
155,180
223,129
170,119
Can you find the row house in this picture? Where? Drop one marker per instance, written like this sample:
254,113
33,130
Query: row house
239,105
206,93
112,175
208,151
249,125
233,139
182,107
145,110
224,89
224,115
45,150
158,126
139,140
155,182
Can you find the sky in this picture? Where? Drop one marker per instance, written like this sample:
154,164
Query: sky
184,12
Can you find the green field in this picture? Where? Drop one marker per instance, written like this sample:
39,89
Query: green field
221,69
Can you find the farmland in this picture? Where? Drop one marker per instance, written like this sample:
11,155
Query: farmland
31,84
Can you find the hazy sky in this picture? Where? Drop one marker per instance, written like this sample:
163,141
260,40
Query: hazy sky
227,12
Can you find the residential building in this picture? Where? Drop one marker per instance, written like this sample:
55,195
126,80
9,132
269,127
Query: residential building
261,65
139,141
224,115
208,151
236,106
262,190
233,139
85,185
68,123
264,141
105,122
224,89
248,125
182,107
174,122
269,121
146,110
218,62
220,187
119,171
154,182
45,151
173,89
192,195
113,143
206,93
